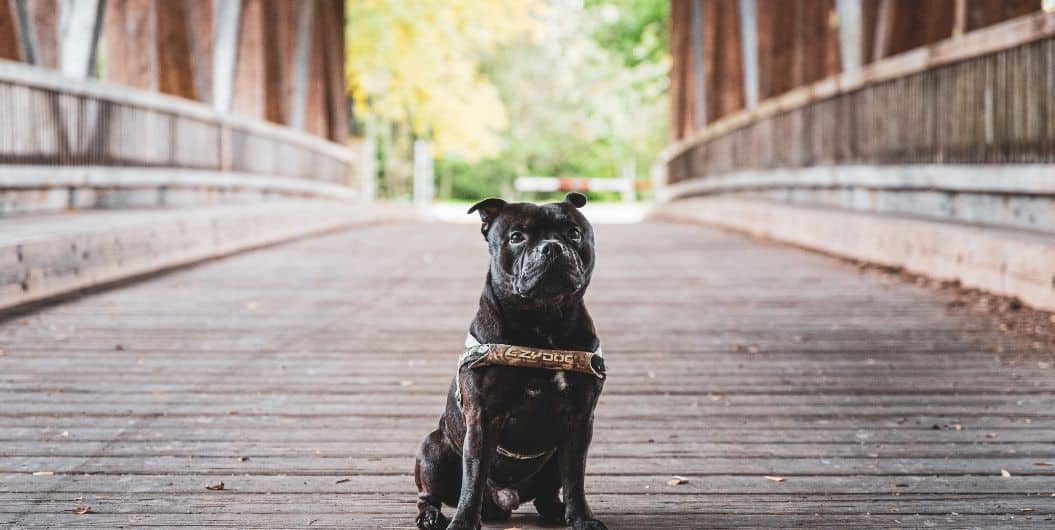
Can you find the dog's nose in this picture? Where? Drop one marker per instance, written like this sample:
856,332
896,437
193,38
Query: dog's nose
550,248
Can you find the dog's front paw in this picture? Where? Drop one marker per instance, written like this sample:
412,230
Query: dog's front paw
462,525
587,524
431,519
550,511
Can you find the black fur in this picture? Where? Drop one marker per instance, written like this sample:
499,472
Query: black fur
542,258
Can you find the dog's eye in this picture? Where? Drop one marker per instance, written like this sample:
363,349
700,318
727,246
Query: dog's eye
575,234
516,237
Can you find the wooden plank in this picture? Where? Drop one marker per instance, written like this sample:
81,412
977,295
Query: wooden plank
879,414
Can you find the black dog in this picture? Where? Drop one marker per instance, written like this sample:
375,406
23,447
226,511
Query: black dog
513,434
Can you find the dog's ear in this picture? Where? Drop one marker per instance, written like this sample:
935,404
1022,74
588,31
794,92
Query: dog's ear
489,209
576,199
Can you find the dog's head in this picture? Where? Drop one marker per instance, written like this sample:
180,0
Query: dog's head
541,255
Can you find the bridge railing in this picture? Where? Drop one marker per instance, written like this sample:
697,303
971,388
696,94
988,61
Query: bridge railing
987,97
53,122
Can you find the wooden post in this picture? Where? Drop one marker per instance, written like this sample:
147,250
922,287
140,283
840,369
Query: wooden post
175,69
273,47
777,43
959,19
850,40
337,101
11,43
423,173
250,78
227,20
200,26
130,29
42,30
814,42
749,40
681,71
982,13
884,20
915,24
315,113
699,82
728,63
301,65
80,22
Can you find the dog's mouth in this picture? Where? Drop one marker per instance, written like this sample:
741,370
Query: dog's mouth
548,277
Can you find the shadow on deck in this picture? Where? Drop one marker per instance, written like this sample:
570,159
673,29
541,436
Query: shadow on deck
790,389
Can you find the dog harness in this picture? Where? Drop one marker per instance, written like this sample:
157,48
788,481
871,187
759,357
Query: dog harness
477,355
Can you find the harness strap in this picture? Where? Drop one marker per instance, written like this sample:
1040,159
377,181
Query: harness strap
477,355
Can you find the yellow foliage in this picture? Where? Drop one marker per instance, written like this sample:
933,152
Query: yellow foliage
416,62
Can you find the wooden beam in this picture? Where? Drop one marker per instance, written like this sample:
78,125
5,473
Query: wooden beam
316,121
982,13
777,22
200,25
10,45
681,47
43,30
815,46
337,101
301,65
699,84
913,24
227,16
174,69
80,22
129,35
959,19
729,83
884,20
850,36
748,10
249,76
275,19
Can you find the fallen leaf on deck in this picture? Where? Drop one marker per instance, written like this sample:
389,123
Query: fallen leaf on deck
243,459
1005,473
676,480
215,487
43,473
119,347
343,480
1042,464
82,509
775,479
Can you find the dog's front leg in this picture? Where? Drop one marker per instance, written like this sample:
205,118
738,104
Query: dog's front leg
572,455
482,429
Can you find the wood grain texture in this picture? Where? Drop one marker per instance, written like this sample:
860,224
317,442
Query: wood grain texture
304,376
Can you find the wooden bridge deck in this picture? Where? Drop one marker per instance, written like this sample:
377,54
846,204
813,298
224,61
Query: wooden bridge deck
789,389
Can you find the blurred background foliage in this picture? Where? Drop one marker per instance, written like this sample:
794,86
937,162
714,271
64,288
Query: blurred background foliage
573,88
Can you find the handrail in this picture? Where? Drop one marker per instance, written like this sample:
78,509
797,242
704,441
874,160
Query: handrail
35,77
999,37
